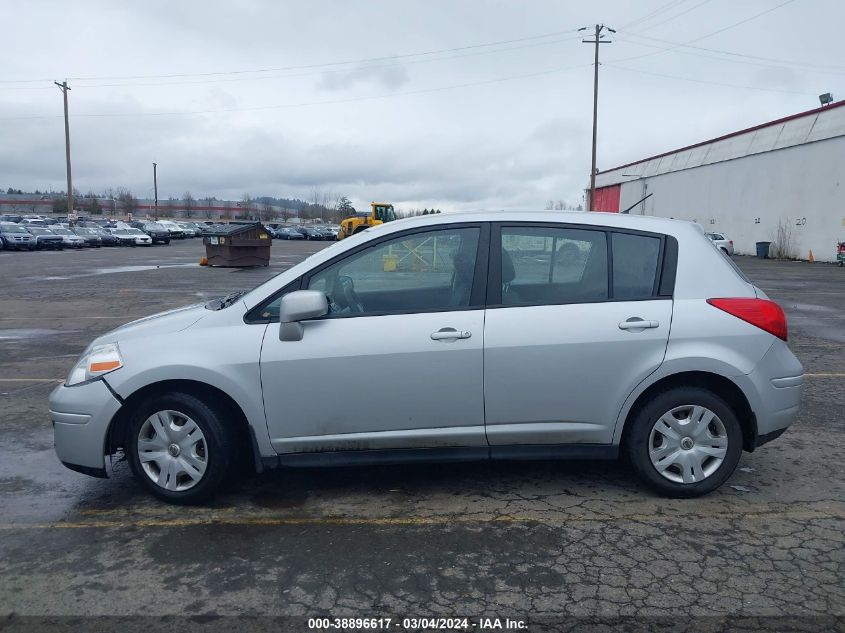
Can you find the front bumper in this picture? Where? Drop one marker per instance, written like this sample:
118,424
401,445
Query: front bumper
81,416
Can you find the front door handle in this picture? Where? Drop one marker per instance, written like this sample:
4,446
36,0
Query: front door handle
449,334
636,323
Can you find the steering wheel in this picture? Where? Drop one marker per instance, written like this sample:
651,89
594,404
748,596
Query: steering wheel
344,298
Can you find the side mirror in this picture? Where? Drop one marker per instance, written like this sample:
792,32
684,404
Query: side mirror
299,306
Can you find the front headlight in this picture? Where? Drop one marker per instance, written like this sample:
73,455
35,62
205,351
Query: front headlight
96,362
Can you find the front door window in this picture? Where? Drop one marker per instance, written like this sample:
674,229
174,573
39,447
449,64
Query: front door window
421,272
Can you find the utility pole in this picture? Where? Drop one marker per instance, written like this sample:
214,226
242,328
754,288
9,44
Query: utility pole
155,189
598,39
64,88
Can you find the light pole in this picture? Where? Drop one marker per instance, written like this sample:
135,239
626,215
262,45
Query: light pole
155,189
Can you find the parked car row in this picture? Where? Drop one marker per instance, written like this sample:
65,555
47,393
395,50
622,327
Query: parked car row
323,233
33,232
42,232
14,236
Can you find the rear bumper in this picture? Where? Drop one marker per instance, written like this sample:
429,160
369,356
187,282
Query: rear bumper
774,391
81,416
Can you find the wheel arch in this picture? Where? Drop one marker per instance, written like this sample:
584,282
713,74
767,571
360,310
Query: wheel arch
720,385
246,442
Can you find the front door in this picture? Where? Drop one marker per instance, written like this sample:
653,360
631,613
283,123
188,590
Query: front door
397,362
571,334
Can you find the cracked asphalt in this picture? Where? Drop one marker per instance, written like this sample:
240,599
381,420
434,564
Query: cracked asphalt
561,546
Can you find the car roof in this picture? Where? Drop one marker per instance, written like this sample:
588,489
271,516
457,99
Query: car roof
597,218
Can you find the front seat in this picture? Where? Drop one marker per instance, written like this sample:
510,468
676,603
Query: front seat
462,280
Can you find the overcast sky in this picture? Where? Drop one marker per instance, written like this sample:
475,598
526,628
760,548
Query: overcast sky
279,98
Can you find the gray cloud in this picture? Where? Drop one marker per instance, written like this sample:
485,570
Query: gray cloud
385,77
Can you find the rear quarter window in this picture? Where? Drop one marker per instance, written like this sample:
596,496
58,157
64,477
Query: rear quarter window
635,265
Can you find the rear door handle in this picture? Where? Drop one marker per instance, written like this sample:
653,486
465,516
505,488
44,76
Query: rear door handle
449,334
636,323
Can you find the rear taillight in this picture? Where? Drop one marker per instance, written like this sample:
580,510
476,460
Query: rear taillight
731,242
764,314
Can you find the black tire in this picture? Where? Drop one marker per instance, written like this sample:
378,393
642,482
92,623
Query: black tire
218,438
725,251
637,439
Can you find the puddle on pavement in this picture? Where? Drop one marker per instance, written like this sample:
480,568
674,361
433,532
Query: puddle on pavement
108,270
809,307
22,334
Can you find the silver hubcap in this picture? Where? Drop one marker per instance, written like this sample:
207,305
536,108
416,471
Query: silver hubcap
172,450
688,444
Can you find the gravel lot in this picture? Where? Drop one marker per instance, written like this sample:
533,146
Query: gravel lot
558,544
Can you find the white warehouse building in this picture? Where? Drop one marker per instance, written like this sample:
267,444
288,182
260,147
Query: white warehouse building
786,176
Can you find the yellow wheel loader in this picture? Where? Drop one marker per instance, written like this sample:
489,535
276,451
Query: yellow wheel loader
380,212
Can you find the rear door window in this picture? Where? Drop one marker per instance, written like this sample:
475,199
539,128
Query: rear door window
546,265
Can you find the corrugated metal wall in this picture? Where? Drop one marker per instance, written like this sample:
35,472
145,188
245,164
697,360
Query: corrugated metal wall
801,187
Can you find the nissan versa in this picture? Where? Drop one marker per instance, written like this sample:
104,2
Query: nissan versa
450,337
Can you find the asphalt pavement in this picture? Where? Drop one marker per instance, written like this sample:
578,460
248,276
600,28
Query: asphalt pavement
564,546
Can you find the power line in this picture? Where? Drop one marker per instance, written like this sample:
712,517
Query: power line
305,66
676,16
675,45
758,64
310,103
657,11
308,73
741,22
707,35
703,81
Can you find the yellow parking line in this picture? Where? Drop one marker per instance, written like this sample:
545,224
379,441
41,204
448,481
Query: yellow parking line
828,375
562,519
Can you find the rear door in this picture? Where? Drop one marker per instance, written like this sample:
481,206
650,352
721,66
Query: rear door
577,317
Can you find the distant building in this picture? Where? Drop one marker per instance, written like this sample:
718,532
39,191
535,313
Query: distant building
788,173
25,204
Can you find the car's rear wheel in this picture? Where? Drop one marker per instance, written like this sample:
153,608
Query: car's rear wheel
179,447
685,442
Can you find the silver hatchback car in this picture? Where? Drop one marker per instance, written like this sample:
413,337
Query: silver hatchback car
450,337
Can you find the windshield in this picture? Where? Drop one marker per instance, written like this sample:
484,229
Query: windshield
385,212
12,228
134,231
154,226
38,231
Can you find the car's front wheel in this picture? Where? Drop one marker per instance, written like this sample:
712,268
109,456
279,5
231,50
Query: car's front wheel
179,447
685,442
